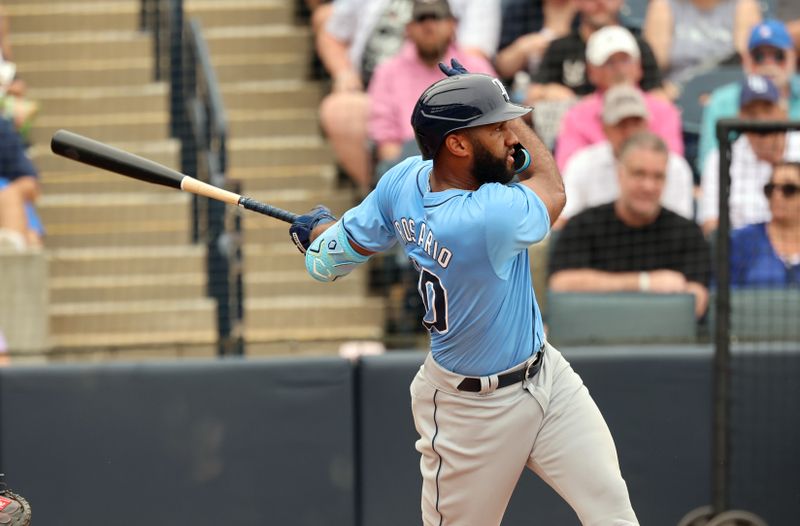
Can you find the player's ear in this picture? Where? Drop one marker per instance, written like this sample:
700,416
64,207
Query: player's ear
458,144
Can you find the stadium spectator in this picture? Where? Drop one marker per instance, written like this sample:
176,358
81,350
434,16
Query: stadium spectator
633,243
613,58
590,178
527,28
753,157
13,102
19,189
563,73
399,81
358,36
770,54
768,254
692,36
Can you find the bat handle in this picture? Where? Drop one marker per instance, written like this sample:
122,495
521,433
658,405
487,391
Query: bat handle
263,208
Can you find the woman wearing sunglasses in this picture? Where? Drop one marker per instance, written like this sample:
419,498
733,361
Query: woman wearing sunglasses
768,254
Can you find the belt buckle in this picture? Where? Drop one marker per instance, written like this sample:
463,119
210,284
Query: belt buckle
533,364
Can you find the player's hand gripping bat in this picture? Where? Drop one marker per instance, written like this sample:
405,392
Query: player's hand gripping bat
99,155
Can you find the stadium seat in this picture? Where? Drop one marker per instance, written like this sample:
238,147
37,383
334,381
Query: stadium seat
614,318
691,98
633,13
762,314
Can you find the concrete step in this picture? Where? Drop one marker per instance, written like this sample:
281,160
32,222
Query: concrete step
90,44
165,152
261,67
88,73
74,16
298,177
213,13
138,234
258,40
282,256
8,3
133,323
145,261
275,151
124,287
118,127
313,317
115,220
299,283
97,182
272,123
272,94
66,102
111,209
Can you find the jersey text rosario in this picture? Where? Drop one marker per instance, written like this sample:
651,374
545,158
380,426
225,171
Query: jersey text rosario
426,239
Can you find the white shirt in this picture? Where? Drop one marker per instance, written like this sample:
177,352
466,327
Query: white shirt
352,21
749,174
590,179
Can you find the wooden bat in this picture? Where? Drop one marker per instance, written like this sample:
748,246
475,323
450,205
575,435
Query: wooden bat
94,153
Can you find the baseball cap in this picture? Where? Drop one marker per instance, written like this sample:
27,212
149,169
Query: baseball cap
609,40
623,101
770,33
435,8
756,87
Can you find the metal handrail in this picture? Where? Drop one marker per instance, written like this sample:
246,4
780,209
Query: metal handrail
198,120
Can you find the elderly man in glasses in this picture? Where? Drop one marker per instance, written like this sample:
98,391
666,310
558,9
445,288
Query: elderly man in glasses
770,54
753,157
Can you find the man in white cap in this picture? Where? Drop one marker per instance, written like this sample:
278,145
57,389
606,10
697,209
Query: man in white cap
590,178
562,74
613,57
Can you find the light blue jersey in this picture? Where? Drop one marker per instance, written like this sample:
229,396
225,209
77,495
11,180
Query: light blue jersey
471,250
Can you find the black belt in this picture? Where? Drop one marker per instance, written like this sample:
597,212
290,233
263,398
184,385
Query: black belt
473,385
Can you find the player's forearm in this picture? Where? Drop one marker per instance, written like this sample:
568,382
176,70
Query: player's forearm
543,176
319,229
590,280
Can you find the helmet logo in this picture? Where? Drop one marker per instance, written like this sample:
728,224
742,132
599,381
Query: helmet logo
502,88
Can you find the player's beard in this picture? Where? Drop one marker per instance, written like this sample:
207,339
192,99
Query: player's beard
488,168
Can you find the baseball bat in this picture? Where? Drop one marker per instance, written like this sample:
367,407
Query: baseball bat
94,153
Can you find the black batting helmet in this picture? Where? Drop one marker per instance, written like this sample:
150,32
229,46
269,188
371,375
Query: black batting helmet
458,102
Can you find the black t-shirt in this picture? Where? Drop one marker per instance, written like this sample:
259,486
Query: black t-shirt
564,63
598,240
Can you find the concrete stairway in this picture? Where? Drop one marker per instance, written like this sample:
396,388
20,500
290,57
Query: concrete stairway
125,279
123,273
262,61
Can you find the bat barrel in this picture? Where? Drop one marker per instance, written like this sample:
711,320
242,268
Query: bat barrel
94,153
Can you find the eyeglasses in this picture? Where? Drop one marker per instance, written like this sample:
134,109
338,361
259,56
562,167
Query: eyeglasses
761,55
430,16
788,190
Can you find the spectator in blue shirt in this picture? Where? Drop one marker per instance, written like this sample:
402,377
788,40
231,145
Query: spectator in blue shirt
19,188
768,254
770,54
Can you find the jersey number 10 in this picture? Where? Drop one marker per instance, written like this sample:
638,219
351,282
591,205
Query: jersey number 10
434,299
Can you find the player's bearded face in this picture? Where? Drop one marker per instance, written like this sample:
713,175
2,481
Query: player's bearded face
490,168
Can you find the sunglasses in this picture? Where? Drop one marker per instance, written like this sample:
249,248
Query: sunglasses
421,18
788,190
761,55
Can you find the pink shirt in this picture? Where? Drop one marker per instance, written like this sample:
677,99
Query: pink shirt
582,125
398,82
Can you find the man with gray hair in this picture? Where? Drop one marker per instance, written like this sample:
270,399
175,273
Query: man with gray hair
633,243
590,177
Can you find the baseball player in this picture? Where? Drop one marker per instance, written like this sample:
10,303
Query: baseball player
492,397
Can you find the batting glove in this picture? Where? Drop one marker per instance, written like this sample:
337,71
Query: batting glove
456,69
300,231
